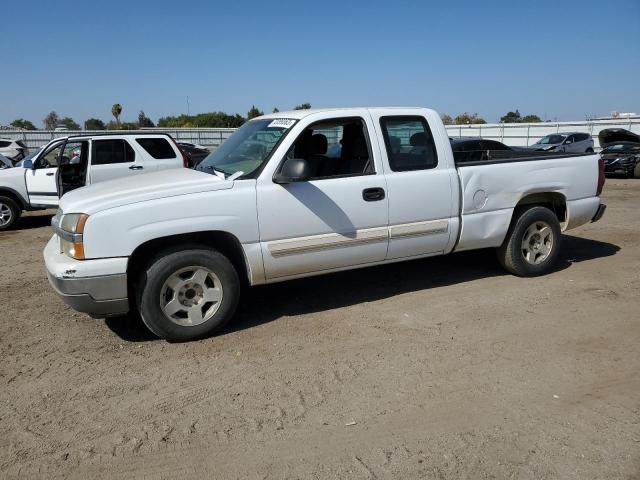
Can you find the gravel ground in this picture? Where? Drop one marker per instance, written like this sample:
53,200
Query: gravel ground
442,368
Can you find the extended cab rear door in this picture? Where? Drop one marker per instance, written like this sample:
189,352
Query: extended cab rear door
421,180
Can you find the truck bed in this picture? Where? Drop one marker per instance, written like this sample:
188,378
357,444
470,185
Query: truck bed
486,157
493,186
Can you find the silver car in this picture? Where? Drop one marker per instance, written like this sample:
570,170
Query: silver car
571,142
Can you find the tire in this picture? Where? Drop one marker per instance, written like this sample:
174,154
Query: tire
180,283
541,251
9,213
636,170
589,150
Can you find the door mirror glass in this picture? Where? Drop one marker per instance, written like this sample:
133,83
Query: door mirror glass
293,170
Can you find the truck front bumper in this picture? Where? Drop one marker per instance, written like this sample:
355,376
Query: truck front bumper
97,287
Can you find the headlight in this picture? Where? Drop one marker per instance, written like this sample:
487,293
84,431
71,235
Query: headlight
70,229
73,222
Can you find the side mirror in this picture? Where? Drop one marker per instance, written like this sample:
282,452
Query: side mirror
293,170
28,164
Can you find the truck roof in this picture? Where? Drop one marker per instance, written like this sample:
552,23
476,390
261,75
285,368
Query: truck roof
299,114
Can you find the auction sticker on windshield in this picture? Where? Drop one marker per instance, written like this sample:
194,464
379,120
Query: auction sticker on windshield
282,123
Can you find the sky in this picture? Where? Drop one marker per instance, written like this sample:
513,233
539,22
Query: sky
561,60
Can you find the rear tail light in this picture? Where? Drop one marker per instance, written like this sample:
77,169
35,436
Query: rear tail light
185,160
600,176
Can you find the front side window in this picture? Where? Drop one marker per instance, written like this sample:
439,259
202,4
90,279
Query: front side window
409,143
246,150
551,140
107,152
335,148
49,158
158,148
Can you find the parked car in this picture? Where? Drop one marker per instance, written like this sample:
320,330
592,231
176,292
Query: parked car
5,162
15,150
175,245
195,153
571,142
67,163
476,148
620,152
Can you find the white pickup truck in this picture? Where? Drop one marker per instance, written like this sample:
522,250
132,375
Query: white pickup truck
67,163
304,193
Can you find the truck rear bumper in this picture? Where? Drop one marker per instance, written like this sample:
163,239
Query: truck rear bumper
78,287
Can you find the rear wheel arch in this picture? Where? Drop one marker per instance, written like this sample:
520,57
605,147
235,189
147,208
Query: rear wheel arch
554,201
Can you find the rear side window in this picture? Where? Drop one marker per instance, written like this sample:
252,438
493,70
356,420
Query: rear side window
409,143
107,152
158,148
581,137
4,144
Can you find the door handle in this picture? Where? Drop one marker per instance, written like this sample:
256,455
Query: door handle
136,167
50,174
373,194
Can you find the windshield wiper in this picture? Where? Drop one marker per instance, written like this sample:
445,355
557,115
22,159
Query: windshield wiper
217,170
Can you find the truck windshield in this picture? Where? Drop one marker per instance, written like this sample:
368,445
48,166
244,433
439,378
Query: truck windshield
247,148
551,140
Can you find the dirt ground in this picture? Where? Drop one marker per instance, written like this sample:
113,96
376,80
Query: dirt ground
443,368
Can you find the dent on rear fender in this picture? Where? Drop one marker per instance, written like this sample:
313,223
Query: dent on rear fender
484,230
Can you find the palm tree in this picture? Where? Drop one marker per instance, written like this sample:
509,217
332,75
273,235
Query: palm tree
116,110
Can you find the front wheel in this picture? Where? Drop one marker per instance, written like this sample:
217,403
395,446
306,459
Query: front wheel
9,213
532,244
188,294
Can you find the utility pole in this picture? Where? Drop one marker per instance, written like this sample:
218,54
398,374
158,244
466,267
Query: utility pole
188,107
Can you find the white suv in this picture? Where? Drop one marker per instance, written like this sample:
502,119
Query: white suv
15,150
67,163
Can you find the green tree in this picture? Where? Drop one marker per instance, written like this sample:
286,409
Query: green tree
116,111
531,119
511,117
94,124
210,119
144,121
446,119
23,124
468,118
69,122
275,110
253,113
302,106
51,120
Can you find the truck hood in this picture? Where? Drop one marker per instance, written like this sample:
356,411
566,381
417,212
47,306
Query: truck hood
140,188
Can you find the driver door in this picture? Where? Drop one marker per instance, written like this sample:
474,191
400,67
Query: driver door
41,179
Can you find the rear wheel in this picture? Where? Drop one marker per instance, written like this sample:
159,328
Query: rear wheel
9,213
188,294
589,150
636,170
532,244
